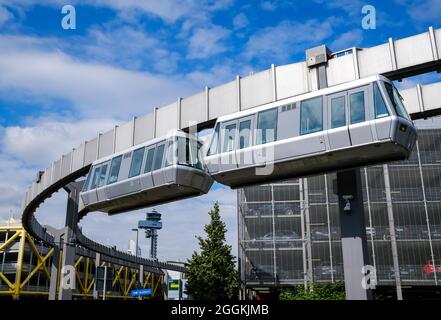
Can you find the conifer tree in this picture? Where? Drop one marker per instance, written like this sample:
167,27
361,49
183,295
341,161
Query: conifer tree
211,274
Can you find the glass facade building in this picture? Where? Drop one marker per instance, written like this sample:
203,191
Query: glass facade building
289,232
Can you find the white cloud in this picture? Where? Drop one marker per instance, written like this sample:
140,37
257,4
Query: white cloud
207,42
422,10
46,140
240,21
347,39
128,47
95,90
268,5
5,15
288,38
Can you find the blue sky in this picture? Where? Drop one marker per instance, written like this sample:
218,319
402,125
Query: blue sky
59,87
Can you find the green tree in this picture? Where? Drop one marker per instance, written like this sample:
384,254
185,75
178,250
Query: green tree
326,291
211,274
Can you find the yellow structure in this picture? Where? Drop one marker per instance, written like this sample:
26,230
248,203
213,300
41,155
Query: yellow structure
25,267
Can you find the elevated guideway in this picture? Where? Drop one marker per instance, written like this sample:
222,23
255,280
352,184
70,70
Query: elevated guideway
395,59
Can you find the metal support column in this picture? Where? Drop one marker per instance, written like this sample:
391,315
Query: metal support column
393,238
353,233
65,239
97,264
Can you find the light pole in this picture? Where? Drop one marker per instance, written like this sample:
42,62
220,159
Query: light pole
136,248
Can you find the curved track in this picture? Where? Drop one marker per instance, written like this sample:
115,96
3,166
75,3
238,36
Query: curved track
86,245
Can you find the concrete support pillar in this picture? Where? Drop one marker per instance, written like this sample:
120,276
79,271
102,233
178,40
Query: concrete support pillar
353,234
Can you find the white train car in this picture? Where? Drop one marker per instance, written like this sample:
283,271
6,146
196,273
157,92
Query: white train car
359,123
161,170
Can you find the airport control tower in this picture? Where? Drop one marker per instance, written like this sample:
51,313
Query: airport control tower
151,225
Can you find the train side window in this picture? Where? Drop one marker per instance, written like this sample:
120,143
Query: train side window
396,100
214,142
86,184
158,157
229,135
103,173
357,107
380,106
114,169
96,176
244,134
338,114
169,155
149,160
267,126
311,116
135,166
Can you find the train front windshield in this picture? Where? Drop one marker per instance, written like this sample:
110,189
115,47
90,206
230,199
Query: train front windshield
189,153
396,100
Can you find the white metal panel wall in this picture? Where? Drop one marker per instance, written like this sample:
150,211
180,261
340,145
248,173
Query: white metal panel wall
222,100
56,173
48,177
291,80
66,164
106,144
374,60
193,109
78,158
410,97
166,119
340,70
256,89
413,50
438,41
144,128
90,151
431,96
123,139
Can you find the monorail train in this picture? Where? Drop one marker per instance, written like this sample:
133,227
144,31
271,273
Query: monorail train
359,123
155,172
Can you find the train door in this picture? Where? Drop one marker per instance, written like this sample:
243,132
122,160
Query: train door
338,119
228,134
146,177
170,155
101,190
212,158
359,125
158,163
244,154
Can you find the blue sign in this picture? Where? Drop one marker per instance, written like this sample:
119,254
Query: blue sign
146,224
141,292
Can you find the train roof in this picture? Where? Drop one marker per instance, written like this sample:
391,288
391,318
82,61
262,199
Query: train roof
305,96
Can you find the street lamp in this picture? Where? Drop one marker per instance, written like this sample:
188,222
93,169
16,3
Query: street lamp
136,248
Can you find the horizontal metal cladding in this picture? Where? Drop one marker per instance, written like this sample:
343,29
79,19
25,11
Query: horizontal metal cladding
106,144
256,89
66,164
223,100
193,110
166,119
90,152
78,157
124,136
144,129
291,80
394,59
